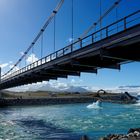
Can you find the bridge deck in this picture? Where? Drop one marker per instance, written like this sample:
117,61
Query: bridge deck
109,52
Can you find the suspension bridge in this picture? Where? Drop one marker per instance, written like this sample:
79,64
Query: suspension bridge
108,47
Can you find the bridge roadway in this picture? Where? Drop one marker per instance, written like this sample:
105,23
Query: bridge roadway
107,48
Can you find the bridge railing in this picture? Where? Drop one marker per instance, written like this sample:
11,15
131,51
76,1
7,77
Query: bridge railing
114,28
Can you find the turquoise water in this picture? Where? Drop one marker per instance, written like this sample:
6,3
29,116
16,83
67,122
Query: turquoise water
66,122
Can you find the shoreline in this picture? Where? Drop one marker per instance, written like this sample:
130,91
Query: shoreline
45,101
121,98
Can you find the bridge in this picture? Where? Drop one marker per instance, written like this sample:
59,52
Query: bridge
109,47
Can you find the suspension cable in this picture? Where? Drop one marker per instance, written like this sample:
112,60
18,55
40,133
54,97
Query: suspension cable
32,54
38,35
117,14
25,61
41,45
101,18
72,36
100,13
19,65
54,34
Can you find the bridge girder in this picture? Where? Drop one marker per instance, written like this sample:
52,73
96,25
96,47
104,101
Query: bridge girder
109,52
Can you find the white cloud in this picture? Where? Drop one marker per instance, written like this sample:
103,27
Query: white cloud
31,58
16,68
70,40
4,65
76,82
50,86
58,86
21,53
74,85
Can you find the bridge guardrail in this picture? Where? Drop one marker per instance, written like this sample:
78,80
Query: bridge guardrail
114,28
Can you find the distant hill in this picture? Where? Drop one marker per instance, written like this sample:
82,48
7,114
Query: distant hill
129,86
48,87
65,87
76,89
132,89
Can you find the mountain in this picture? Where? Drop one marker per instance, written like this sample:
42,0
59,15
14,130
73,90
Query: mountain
76,89
57,86
49,87
129,86
134,90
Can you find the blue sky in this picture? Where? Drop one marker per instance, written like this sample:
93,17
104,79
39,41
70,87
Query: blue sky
22,19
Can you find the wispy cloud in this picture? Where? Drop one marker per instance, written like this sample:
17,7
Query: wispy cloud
57,85
4,65
54,85
21,53
16,68
31,58
70,40
76,82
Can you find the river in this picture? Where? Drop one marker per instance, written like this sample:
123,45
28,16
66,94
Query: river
66,122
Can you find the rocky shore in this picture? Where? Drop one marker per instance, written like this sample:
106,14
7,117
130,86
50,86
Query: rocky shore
18,100
132,134
45,101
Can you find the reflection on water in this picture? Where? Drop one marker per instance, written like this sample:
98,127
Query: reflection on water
66,122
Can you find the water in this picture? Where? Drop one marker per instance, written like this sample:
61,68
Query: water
66,122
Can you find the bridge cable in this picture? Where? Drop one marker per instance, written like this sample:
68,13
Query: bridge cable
72,11
101,18
25,60
54,32
41,45
19,65
117,15
94,31
32,54
38,35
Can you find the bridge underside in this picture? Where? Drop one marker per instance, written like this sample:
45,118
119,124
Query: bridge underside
110,53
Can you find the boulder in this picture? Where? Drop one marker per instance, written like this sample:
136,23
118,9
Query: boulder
132,130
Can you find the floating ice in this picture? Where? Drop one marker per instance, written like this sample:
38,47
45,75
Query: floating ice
95,105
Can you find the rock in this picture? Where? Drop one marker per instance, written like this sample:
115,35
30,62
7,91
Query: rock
114,138
132,130
130,134
104,138
136,134
133,134
124,139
